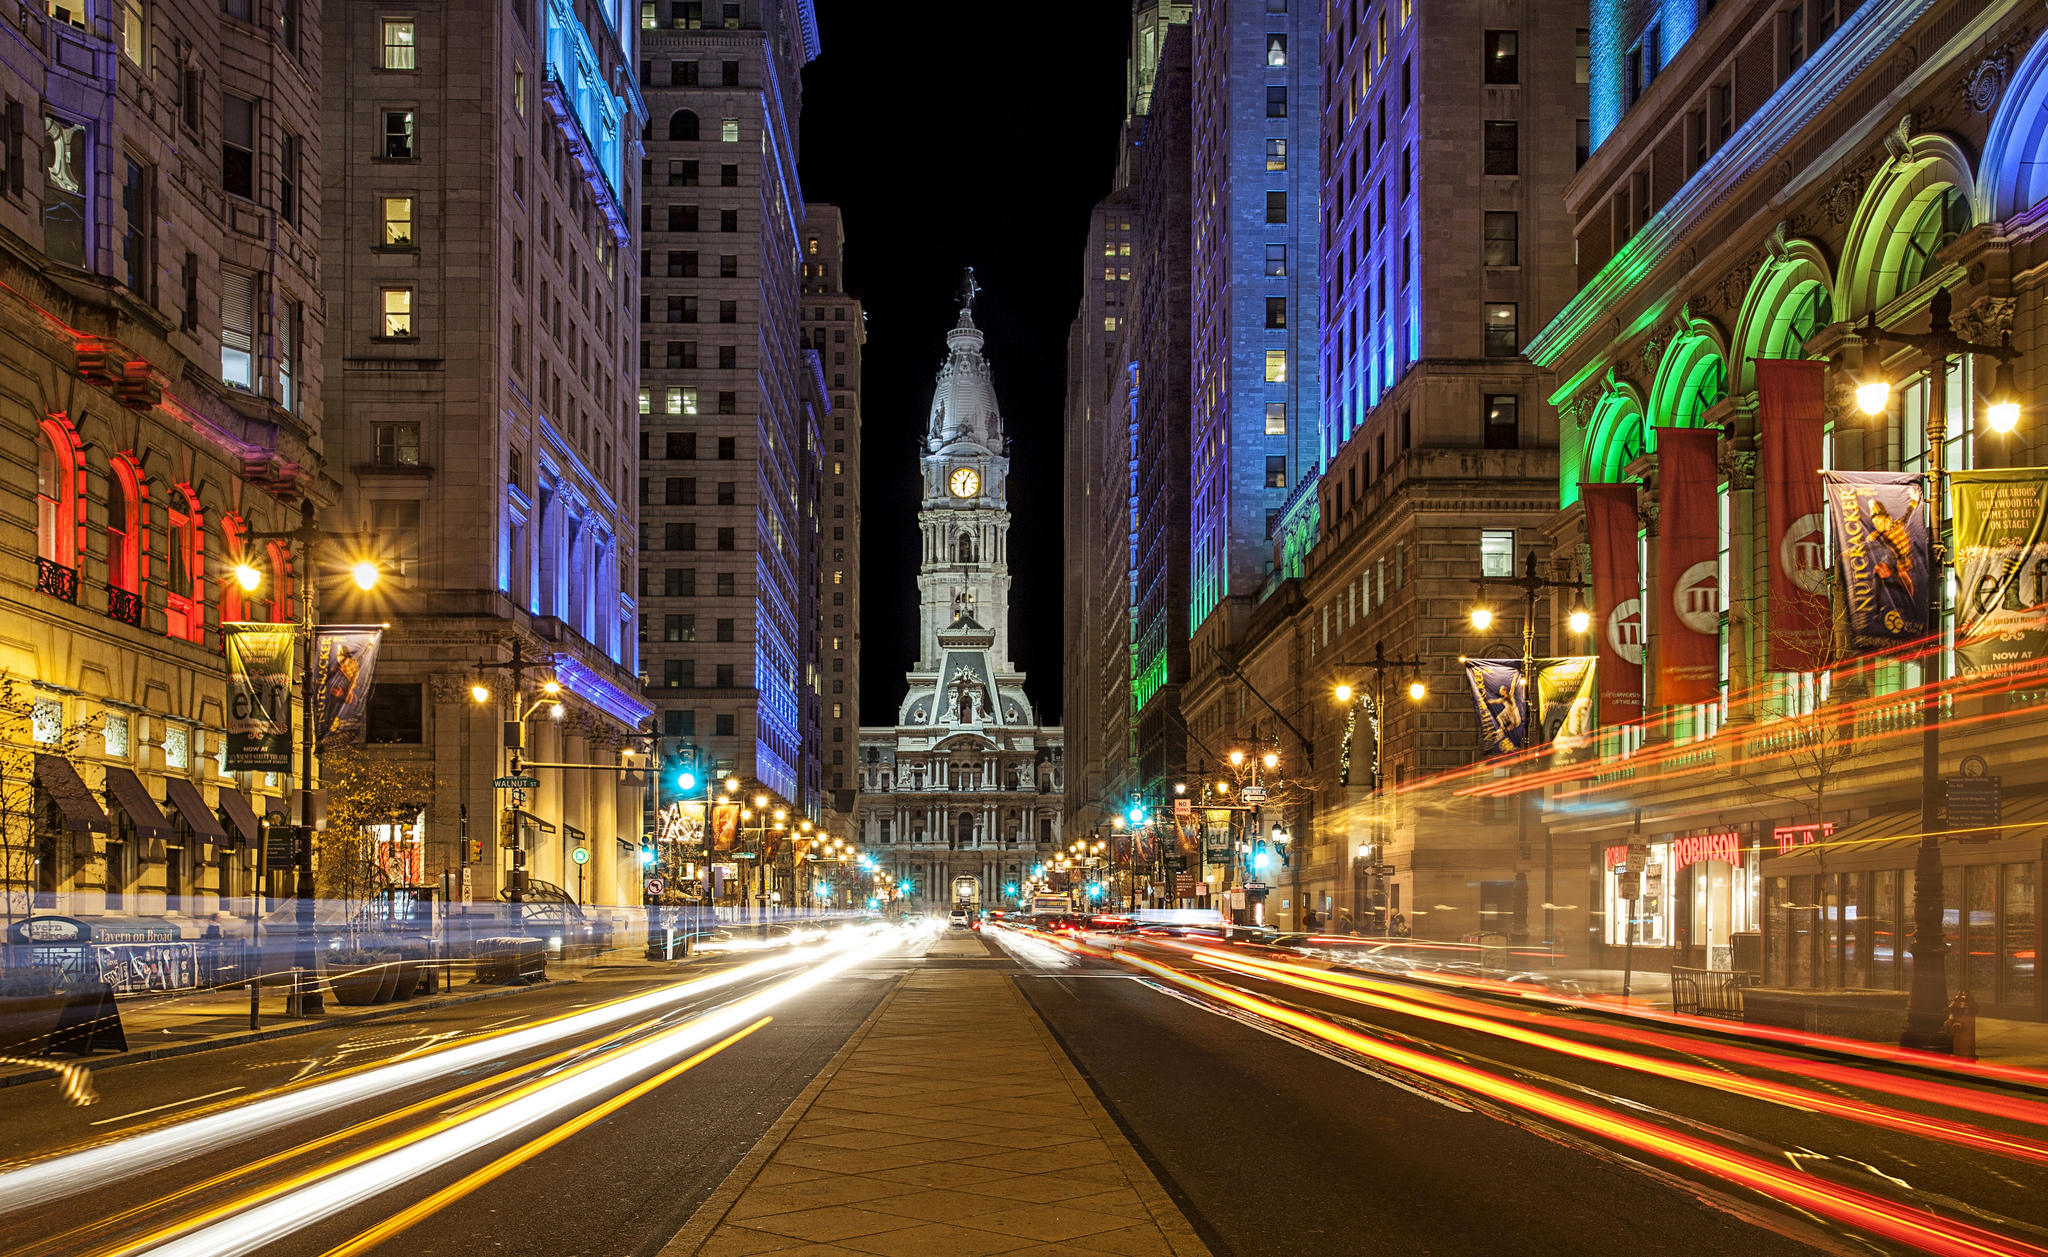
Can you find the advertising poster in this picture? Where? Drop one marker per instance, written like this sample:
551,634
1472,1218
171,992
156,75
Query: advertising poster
1502,703
1688,567
1186,837
1881,551
2001,568
1564,702
1564,699
725,825
1611,527
259,696
344,661
1791,417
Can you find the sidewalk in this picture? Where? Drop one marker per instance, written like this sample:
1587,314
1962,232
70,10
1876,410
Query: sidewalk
951,1125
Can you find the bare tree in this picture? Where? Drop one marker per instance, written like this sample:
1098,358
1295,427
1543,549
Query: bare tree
364,792
28,726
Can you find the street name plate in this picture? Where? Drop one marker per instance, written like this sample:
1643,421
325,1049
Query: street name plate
517,783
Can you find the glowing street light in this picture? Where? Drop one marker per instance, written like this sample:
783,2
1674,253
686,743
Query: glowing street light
247,577
1581,619
365,574
1482,618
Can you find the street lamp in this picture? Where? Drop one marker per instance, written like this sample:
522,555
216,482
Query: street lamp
1381,664
1927,1004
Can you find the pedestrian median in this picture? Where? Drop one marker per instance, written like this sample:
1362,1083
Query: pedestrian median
951,1125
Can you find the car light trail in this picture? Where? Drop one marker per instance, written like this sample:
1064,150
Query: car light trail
1961,1134
142,1151
319,1194
1875,1214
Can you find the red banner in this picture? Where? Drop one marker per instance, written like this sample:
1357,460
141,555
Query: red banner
1617,600
771,846
725,825
1688,565
1791,414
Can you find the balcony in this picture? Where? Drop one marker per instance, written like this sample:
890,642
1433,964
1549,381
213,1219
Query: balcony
56,580
124,606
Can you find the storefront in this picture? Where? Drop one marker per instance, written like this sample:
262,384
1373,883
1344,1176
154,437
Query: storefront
1698,891
1838,912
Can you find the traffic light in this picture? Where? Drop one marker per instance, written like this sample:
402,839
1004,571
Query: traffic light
683,768
1137,817
646,854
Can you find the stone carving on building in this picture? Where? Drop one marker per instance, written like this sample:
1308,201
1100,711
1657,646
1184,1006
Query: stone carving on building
1687,260
1897,140
1740,468
1986,319
1903,64
1985,82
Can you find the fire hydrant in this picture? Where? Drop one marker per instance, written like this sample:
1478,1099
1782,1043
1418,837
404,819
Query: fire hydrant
1961,1025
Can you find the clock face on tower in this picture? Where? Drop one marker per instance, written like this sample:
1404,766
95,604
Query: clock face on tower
965,482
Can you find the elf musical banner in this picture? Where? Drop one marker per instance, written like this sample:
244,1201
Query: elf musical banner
1564,702
1611,524
344,661
1791,416
259,696
2001,541
1688,567
1881,551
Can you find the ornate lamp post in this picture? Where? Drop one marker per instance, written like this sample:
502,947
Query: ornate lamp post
1380,665
1927,1003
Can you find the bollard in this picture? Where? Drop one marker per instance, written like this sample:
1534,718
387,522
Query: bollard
294,999
1961,1025
255,986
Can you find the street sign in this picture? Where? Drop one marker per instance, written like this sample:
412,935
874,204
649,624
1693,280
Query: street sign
1381,870
1184,885
1628,886
581,855
1183,807
1253,794
1638,856
1258,888
655,886
1974,804
517,783
279,848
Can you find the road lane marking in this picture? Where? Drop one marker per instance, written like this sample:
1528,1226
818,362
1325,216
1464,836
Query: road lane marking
172,1105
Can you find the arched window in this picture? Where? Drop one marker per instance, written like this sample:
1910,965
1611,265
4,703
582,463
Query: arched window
1703,388
185,607
281,591
1618,440
1946,217
682,125
125,547
57,494
966,547
1809,310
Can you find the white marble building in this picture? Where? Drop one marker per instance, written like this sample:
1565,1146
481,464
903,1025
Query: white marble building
967,784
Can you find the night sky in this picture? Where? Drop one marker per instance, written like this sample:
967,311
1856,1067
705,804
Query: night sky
949,144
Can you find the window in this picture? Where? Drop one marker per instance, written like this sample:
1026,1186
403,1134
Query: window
728,312
519,89
1276,207
1276,312
397,215
394,714
124,525
1582,140
1276,154
137,235
679,628
682,125
725,676
135,31
185,608
1276,366
64,201
291,319
682,218
648,21
683,174
729,130
1502,336
722,723
1503,148
725,585
396,522
1276,471
728,266
679,674
1276,49
1502,64
1497,553
1503,232
682,74
1502,432
237,328
396,445
1795,37
288,181
56,495
728,357
1582,57
398,139
238,145
399,53
683,401
729,220
1276,259
1276,418
1944,219
1276,102
395,304
722,630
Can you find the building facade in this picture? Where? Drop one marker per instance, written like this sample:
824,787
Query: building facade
967,783
479,174
729,450
164,320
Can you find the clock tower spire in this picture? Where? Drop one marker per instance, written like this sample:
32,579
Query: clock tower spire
964,517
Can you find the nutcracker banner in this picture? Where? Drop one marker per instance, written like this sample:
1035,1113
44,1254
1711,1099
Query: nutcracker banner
1881,551
259,696
1187,837
725,825
1120,851
1688,567
344,661
1791,417
1502,703
1611,524
2001,543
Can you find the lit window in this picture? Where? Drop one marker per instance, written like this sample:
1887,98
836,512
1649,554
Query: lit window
397,221
1276,50
1109,325
396,304
237,328
1276,259
398,46
519,89
398,134
135,31
1502,336
729,131
647,19
397,445
1276,418
1497,553
646,401
1276,154
682,401
1276,366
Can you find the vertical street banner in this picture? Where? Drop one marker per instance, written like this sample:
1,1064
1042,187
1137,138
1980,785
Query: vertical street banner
344,661
1148,846
1791,417
1882,553
1502,703
1564,700
771,847
725,825
259,696
1611,524
1187,835
1688,567
2001,541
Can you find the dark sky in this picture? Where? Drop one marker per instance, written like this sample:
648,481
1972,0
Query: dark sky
949,144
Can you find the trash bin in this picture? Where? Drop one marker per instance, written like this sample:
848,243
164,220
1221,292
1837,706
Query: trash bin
507,960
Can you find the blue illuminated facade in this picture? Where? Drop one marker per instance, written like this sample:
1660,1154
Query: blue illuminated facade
578,93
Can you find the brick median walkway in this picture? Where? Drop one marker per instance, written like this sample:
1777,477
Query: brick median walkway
952,1126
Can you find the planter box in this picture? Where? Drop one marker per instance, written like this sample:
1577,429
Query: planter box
1872,1016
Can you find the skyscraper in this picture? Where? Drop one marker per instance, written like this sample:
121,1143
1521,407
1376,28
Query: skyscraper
728,473
479,173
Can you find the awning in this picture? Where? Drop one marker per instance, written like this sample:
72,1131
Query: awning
81,812
184,796
236,805
125,791
1890,839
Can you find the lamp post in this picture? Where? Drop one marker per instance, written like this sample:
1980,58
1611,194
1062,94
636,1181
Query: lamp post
514,737
1580,620
1380,665
1927,1003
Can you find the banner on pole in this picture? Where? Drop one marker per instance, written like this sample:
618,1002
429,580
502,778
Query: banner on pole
2001,541
1564,702
1791,418
344,662
1501,701
259,696
725,825
1187,838
1688,567
1882,553
1611,524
